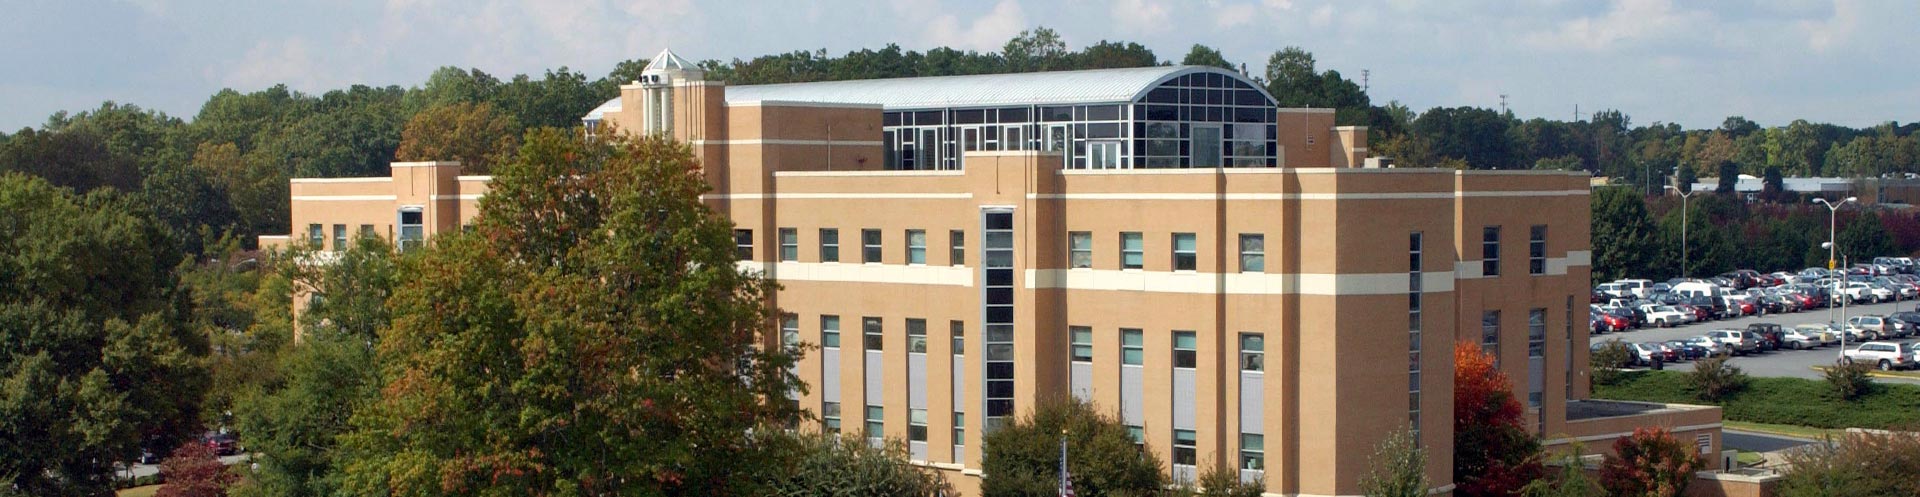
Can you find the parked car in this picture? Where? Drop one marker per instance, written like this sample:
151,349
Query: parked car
1735,340
1648,354
1799,338
1874,327
1688,351
1824,333
1665,316
1771,336
1883,355
224,444
1714,347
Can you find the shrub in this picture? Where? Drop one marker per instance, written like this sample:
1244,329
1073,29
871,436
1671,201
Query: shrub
1493,453
1023,455
1607,361
1713,379
1223,480
1398,468
1849,379
1570,480
1858,464
193,471
1650,463
828,464
1789,401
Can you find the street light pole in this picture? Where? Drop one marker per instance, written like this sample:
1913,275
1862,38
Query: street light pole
1683,229
1833,213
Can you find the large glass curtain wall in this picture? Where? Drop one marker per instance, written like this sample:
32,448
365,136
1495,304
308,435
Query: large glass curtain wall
1195,120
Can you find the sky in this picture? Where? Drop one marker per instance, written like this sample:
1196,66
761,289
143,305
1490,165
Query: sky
1848,62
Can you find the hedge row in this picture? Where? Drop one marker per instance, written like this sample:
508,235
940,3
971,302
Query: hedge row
1789,401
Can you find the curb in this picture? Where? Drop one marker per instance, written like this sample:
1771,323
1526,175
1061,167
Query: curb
1877,374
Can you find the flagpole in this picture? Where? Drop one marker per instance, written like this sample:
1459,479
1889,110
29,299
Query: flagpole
1066,483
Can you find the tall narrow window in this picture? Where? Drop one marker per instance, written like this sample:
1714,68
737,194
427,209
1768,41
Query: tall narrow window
790,332
366,231
1183,447
876,422
1184,353
1082,343
1253,253
1132,251
1490,251
1253,352
316,236
916,246
339,237
830,416
1079,249
1537,250
1185,258
996,261
1490,335
959,428
871,329
916,425
789,245
830,332
1536,356
1414,289
829,245
1567,367
957,239
743,245
1133,348
959,329
916,336
870,246
1253,452
412,229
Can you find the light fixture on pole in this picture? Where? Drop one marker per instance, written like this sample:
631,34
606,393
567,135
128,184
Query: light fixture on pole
1833,213
1683,227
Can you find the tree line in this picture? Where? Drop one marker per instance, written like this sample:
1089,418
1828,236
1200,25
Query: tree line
1639,236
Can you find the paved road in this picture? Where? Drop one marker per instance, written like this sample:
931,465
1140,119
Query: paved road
1760,442
1786,363
139,470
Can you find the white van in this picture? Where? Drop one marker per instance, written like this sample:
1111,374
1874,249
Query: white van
1698,289
1613,290
1638,288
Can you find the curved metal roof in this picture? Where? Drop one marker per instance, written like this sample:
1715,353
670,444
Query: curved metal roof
981,90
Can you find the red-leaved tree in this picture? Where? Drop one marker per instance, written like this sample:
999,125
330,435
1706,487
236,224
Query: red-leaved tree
193,471
1651,463
1493,453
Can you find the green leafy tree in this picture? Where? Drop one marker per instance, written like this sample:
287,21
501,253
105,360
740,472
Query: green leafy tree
1038,49
1650,463
1729,177
1024,455
602,341
473,134
1113,54
1714,379
1202,55
1865,237
1772,185
100,353
1476,136
1624,238
1849,380
1398,468
1292,79
1684,178
1569,480
826,464
1223,480
1868,464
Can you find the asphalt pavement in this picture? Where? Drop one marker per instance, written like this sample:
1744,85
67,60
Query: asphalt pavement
1760,442
1782,363
139,470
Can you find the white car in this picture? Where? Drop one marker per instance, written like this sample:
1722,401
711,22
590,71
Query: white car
1862,292
1665,316
1796,339
1883,355
1714,347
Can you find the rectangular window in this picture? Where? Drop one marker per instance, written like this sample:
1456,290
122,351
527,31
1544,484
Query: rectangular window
959,428
316,236
1490,335
958,240
1537,250
1132,251
1132,347
1253,352
789,245
412,229
916,336
870,246
1253,253
1184,353
1079,249
1082,343
1569,351
1183,443
1184,256
1490,251
790,331
876,422
830,332
339,237
1414,242
1138,434
743,245
916,425
830,416
997,310
916,246
1253,452
871,329
366,231
829,245
959,329
1536,355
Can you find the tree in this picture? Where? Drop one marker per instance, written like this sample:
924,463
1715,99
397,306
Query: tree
1398,468
1202,55
1849,380
1772,185
1477,136
1684,179
1864,237
1107,55
1223,480
1865,464
603,341
473,134
1729,177
1713,379
1024,455
1291,78
1650,463
1038,49
193,471
1624,242
1570,480
1493,453
827,464
100,351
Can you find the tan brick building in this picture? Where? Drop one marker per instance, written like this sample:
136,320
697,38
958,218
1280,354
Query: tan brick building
1220,272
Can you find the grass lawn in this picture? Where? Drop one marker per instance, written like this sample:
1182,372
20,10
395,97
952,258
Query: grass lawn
1779,401
146,491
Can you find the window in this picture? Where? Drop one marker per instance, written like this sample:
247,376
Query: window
996,260
1079,249
916,246
1253,352
876,422
1184,355
1253,452
1183,442
743,245
829,245
1082,343
1132,251
789,245
412,229
1138,434
1537,250
830,416
1569,350
959,428
1536,355
916,336
1253,253
870,246
316,236
790,331
830,332
1490,251
959,329
958,240
366,231
871,329
916,425
339,237
1414,288
1132,347
1184,257
1490,335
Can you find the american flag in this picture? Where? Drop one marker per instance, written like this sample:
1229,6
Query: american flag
1066,479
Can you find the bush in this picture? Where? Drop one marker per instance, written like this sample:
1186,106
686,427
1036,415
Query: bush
1608,360
1222,480
1849,379
1570,480
828,464
1857,465
193,471
1398,468
1651,463
1787,401
1713,379
1493,452
1024,454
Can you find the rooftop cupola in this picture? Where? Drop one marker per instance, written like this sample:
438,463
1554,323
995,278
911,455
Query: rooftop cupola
657,82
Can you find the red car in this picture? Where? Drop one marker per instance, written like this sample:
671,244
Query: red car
224,444
1616,323
1699,313
1747,308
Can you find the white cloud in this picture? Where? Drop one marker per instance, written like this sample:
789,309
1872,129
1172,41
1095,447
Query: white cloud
1321,17
1140,16
1823,35
986,33
1232,15
1278,4
289,61
1625,21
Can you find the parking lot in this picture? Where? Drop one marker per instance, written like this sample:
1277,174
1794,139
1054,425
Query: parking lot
1787,363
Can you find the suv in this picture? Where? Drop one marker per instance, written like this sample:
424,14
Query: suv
1735,340
1872,326
1665,316
1771,336
1883,355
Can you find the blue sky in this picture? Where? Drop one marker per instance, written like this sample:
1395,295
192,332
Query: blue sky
1850,62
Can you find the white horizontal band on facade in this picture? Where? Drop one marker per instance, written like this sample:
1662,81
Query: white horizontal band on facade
907,173
375,179
1536,193
1556,266
836,196
343,198
907,274
463,196
1431,491
1235,283
1241,196
759,141
1611,436
454,163
473,178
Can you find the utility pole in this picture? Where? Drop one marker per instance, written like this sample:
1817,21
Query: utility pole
1503,104
1363,80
